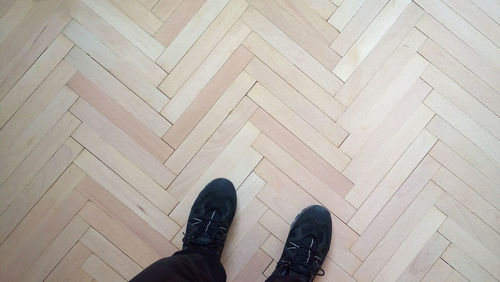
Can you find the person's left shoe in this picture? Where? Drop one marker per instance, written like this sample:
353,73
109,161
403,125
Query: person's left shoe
307,245
211,216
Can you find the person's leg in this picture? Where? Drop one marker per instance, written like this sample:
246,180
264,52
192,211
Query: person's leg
191,264
209,220
306,247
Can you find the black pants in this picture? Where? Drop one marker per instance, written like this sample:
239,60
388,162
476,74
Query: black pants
191,265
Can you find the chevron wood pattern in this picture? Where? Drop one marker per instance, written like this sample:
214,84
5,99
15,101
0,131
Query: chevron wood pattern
114,114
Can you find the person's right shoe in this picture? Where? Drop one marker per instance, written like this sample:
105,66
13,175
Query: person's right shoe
307,245
211,216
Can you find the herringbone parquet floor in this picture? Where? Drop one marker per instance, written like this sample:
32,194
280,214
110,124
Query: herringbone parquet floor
115,113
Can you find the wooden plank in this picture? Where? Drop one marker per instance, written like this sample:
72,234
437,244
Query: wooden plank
116,42
483,67
344,13
469,223
440,271
465,148
127,194
11,15
100,271
127,27
71,264
245,220
378,120
247,191
252,271
306,14
35,189
477,18
126,72
357,25
149,3
490,7
301,152
287,199
244,166
293,76
29,239
469,198
180,17
212,148
207,97
202,76
385,61
395,207
335,273
191,32
372,106
298,127
297,102
25,172
117,91
122,142
28,126
219,167
32,78
464,124
210,122
481,254
123,167
465,265
322,192
324,8
122,237
462,29
139,14
318,111
110,254
163,9
460,74
467,173
58,249
120,212
243,252
291,50
409,249
120,117
463,100
396,235
367,41
202,48
374,164
278,227
425,258
54,196
392,181
421,209
309,39
41,25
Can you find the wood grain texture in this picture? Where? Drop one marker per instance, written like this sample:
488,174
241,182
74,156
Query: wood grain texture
115,114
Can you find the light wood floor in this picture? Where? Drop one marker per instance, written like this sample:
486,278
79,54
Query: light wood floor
114,114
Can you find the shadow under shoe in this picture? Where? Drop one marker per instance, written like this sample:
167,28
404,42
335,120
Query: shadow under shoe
307,245
211,216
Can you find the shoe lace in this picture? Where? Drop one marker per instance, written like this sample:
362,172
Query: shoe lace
207,227
302,259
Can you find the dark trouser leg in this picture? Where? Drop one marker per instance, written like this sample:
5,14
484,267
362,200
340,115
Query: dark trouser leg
284,279
192,264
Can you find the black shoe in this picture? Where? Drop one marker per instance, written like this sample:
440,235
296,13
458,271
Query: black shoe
211,215
307,244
